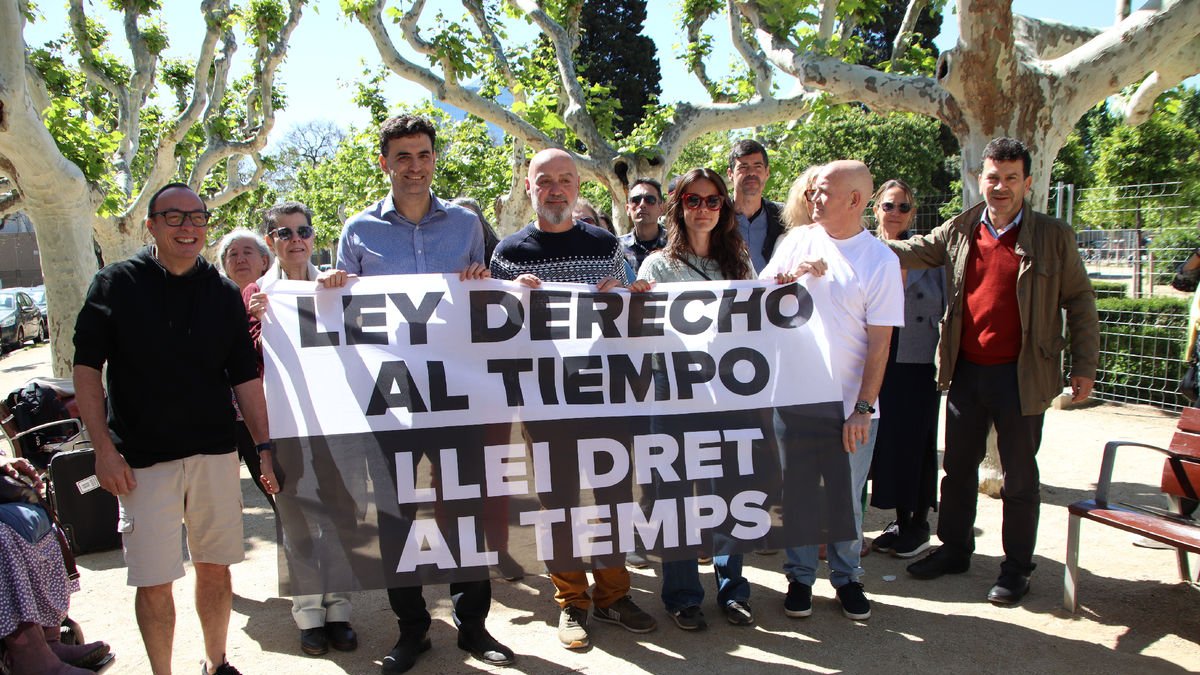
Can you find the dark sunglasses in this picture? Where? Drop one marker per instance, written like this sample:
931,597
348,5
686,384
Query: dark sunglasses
692,201
888,207
175,217
285,233
650,200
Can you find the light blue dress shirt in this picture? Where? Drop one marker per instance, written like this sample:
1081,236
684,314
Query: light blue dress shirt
380,240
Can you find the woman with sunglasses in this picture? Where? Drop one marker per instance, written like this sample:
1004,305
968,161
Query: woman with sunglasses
703,244
323,619
904,467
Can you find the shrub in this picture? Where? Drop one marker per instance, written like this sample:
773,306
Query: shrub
1141,349
1108,289
1171,247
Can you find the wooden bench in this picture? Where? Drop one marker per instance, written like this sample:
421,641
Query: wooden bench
1180,479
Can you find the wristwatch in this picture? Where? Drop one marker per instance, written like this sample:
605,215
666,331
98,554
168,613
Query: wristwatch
864,408
263,447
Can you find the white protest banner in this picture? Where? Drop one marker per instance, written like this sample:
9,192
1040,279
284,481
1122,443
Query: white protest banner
431,430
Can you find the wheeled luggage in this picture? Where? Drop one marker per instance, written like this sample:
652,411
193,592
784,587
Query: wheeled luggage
87,512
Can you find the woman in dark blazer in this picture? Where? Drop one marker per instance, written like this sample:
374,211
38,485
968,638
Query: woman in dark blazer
904,468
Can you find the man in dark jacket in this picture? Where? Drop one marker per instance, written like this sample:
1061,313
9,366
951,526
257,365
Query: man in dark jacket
174,335
1012,273
758,218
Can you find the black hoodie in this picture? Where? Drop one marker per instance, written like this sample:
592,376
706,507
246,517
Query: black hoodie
174,345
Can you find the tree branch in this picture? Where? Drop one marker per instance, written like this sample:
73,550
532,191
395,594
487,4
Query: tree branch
510,122
163,165
235,187
1045,39
1141,44
576,114
828,19
87,54
753,57
845,82
257,123
692,121
1182,65
911,14
1122,10
411,32
477,12
693,28
13,62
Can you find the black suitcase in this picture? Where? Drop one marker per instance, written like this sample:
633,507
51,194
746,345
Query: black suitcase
87,512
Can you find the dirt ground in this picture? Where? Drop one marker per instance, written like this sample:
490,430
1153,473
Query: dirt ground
1135,615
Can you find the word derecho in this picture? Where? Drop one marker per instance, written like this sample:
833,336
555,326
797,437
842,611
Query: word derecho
498,316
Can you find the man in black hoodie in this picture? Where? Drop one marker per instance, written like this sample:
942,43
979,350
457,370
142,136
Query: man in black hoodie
174,335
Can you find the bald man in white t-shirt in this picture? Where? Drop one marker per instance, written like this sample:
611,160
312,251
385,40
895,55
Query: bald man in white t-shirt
857,289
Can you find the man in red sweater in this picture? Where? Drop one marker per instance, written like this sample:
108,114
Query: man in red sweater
1013,270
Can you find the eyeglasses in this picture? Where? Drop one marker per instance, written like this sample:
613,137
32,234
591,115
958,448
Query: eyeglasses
692,201
651,200
587,219
888,207
285,233
175,217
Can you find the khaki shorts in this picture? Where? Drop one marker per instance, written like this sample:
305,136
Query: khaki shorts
203,492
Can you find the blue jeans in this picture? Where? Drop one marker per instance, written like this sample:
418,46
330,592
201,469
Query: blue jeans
681,586
843,556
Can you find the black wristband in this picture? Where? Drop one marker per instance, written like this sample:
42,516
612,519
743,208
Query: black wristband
262,447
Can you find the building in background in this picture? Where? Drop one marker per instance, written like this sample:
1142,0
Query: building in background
20,263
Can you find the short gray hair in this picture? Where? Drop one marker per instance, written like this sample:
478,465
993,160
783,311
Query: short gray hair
271,215
233,236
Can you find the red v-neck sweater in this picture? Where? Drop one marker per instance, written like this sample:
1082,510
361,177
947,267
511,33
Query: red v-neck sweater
991,331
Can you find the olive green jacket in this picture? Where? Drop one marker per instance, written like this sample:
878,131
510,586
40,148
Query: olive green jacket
1051,278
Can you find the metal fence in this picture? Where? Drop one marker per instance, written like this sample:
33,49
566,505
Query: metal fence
1132,238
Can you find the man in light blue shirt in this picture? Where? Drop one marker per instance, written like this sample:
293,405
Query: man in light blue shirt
758,219
411,231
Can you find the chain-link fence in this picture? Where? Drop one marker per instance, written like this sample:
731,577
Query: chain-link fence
1132,238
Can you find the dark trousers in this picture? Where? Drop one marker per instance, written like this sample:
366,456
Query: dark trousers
980,397
471,602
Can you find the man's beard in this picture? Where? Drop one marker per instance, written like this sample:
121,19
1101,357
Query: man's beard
554,215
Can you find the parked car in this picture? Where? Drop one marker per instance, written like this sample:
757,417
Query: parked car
38,293
20,319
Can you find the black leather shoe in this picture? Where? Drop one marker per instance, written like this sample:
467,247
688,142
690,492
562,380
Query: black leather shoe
404,655
313,641
1009,589
341,636
940,562
475,639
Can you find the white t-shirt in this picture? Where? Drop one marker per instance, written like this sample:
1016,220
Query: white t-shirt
861,288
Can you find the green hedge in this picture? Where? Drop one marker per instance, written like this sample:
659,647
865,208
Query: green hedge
1141,349
1109,289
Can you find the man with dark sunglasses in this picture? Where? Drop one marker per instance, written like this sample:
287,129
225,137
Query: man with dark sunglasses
645,206
174,335
758,218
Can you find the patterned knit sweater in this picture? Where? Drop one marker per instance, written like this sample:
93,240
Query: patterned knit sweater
583,254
